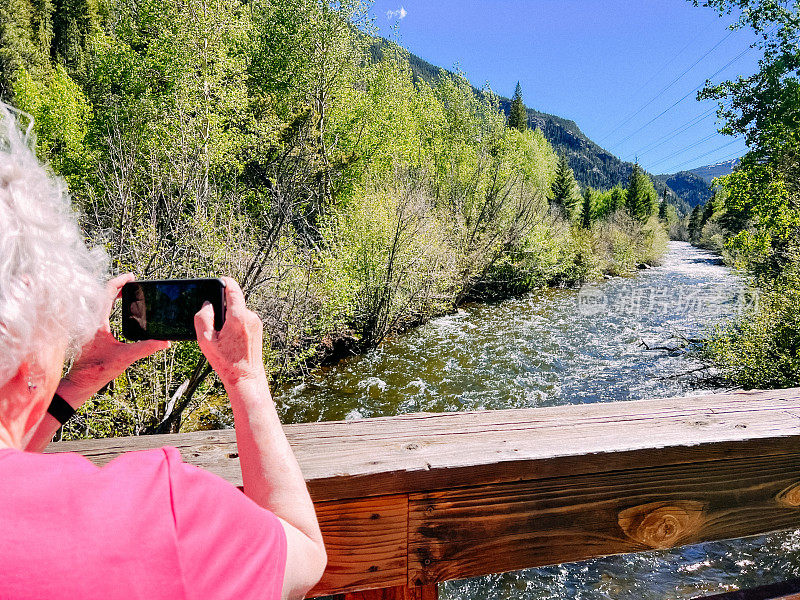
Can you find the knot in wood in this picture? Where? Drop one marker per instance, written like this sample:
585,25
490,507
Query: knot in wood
790,497
663,524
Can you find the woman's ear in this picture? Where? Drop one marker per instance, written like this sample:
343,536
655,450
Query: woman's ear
16,393
20,382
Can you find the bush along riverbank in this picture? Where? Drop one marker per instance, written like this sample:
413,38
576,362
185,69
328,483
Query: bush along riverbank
754,218
270,141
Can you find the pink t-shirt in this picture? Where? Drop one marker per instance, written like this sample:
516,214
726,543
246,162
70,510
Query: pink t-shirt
146,526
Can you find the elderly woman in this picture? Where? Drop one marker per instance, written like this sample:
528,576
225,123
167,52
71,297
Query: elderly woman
146,525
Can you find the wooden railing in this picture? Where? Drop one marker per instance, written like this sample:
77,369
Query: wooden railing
409,501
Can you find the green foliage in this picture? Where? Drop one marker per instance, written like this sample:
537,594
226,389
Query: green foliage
608,203
695,220
762,206
25,38
391,253
518,114
756,219
564,190
663,207
761,349
62,116
75,22
271,142
587,204
640,196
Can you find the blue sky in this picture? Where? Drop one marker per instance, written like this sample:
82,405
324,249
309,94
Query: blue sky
603,63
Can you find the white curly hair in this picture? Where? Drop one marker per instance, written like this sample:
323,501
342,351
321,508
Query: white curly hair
51,286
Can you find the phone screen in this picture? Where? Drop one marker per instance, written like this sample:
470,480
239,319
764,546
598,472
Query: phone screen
165,309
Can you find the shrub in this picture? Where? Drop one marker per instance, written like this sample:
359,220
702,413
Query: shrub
761,349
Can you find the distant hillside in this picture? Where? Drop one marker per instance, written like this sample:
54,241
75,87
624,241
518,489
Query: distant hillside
690,187
720,169
591,164
694,186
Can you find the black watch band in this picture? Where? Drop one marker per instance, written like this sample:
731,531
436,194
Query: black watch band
60,409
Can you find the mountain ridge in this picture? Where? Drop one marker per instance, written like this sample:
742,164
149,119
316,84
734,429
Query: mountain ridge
720,169
592,164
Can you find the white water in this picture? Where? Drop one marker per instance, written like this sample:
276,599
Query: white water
557,347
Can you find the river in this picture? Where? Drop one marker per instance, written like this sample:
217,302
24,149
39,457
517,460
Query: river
619,339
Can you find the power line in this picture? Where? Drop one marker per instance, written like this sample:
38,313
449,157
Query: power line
675,132
672,60
678,166
679,152
674,104
673,82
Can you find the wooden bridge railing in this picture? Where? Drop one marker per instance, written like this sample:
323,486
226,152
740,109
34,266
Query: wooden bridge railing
409,501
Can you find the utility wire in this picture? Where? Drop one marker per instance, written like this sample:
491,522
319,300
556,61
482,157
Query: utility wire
678,166
671,83
674,104
679,152
675,132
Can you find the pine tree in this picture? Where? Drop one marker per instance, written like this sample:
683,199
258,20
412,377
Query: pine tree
695,224
708,212
586,207
518,115
662,207
617,199
562,191
74,21
639,200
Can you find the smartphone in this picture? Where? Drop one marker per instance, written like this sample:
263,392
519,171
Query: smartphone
164,309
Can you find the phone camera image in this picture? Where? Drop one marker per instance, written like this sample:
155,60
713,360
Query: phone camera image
165,309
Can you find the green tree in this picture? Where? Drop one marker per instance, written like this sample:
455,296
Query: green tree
617,199
25,37
563,191
757,104
762,206
586,207
708,211
518,115
662,206
695,223
639,199
74,23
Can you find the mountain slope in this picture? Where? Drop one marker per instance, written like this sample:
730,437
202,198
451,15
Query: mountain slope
709,172
694,186
591,164
690,187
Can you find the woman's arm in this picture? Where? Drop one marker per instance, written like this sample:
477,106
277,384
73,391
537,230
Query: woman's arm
101,360
271,475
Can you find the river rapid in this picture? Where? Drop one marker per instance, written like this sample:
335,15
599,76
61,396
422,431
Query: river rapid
616,340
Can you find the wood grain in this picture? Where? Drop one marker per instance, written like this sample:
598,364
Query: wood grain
419,453
412,500
428,592
366,542
489,529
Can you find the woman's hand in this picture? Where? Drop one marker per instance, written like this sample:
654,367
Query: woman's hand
235,352
104,357
271,476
